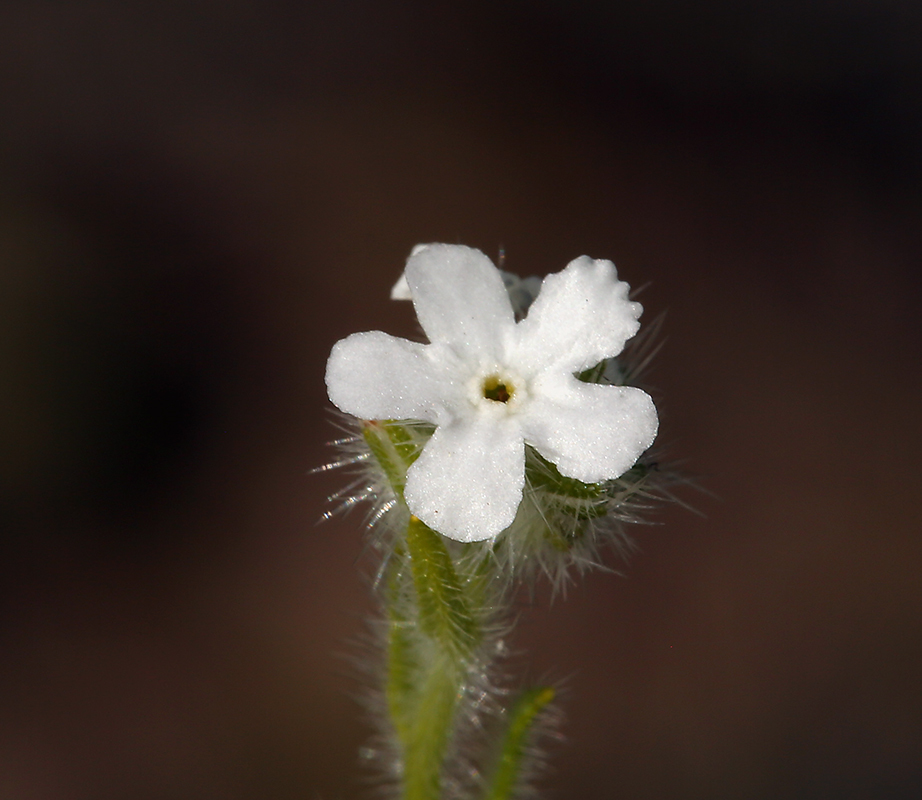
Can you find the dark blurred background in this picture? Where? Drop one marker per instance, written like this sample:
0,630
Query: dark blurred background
198,198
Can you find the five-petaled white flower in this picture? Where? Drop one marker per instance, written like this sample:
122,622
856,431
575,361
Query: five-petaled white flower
491,385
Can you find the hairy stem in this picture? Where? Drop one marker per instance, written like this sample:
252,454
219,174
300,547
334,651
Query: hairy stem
432,635
429,733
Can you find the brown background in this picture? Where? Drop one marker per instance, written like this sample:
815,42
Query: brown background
198,198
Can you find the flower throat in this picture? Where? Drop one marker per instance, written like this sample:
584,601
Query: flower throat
497,389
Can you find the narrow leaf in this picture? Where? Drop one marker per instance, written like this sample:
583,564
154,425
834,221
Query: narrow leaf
444,612
513,751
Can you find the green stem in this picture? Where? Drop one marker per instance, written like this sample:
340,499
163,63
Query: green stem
402,662
433,633
434,629
430,732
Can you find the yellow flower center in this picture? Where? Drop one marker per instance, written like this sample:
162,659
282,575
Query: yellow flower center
498,389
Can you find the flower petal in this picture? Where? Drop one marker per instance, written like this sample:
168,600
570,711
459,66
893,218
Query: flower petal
581,316
401,289
377,376
591,432
459,298
467,483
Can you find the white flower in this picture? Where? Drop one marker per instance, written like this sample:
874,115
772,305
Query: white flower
491,385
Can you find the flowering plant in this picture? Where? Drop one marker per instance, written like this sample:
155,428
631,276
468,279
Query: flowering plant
512,439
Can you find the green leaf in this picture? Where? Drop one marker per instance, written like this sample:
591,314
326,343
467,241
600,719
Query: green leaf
513,753
444,612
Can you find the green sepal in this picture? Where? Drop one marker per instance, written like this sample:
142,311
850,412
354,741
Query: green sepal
542,474
593,374
512,752
574,499
580,500
395,449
